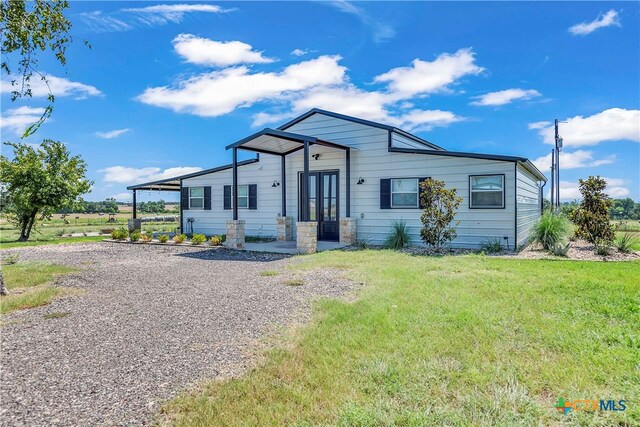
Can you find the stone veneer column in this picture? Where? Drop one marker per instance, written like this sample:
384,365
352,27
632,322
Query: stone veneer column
235,234
284,227
348,231
306,237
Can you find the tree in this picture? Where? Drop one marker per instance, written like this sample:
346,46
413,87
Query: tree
40,181
440,207
30,27
592,216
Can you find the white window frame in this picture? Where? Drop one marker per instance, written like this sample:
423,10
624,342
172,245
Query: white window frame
471,191
417,193
241,197
196,197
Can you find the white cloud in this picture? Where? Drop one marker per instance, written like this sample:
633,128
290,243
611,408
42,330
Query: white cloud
609,125
573,160
302,52
424,77
381,31
608,19
615,188
220,92
130,18
127,175
112,133
17,120
198,50
126,196
59,86
503,97
319,83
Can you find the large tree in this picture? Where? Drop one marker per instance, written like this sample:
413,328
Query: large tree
40,181
30,28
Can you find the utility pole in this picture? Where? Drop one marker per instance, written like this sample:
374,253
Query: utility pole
556,166
553,179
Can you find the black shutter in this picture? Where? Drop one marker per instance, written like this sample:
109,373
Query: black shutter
385,194
253,196
184,198
207,198
227,197
420,204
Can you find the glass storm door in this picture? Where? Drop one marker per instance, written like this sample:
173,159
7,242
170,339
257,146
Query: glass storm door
323,203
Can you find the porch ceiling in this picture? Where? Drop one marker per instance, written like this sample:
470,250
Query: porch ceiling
281,143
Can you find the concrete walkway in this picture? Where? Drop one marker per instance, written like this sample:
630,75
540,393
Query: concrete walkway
288,247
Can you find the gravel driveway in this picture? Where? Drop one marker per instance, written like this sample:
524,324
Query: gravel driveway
152,321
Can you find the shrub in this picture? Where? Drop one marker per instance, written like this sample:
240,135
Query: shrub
179,238
602,249
119,234
9,259
592,217
216,240
163,238
491,246
399,236
135,235
198,239
551,229
625,242
440,207
147,236
561,249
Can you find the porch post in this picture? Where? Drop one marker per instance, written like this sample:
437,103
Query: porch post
348,186
305,184
283,184
134,205
234,190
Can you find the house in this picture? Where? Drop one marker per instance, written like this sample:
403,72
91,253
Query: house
362,176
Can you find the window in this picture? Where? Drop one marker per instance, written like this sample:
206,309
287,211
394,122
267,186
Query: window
196,197
404,193
243,196
486,191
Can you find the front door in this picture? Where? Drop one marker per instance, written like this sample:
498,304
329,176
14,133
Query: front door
323,203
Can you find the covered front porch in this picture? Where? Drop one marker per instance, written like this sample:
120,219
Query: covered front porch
319,222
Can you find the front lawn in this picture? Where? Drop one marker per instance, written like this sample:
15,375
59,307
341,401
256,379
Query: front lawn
445,341
28,285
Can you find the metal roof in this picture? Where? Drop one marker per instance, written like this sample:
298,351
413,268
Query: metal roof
272,141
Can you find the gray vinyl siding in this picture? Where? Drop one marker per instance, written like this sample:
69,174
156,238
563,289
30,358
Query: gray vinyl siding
528,203
370,160
401,141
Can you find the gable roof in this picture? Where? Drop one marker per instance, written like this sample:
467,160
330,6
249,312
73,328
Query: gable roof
362,122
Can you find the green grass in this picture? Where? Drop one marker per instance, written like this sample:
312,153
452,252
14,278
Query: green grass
269,273
52,241
467,340
28,285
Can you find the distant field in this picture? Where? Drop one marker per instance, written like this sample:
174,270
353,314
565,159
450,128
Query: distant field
56,230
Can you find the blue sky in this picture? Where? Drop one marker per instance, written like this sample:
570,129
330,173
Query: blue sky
167,85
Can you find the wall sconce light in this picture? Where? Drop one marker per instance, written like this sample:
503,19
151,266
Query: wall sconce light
360,181
316,156
275,184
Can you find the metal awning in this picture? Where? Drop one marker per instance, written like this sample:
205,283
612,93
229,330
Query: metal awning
272,141
172,184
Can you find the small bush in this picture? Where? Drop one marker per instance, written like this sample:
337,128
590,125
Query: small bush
551,229
147,236
269,273
399,236
198,239
119,234
561,249
216,240
602,249
179,238
491,246
163,238
135,235
625,242
294,282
